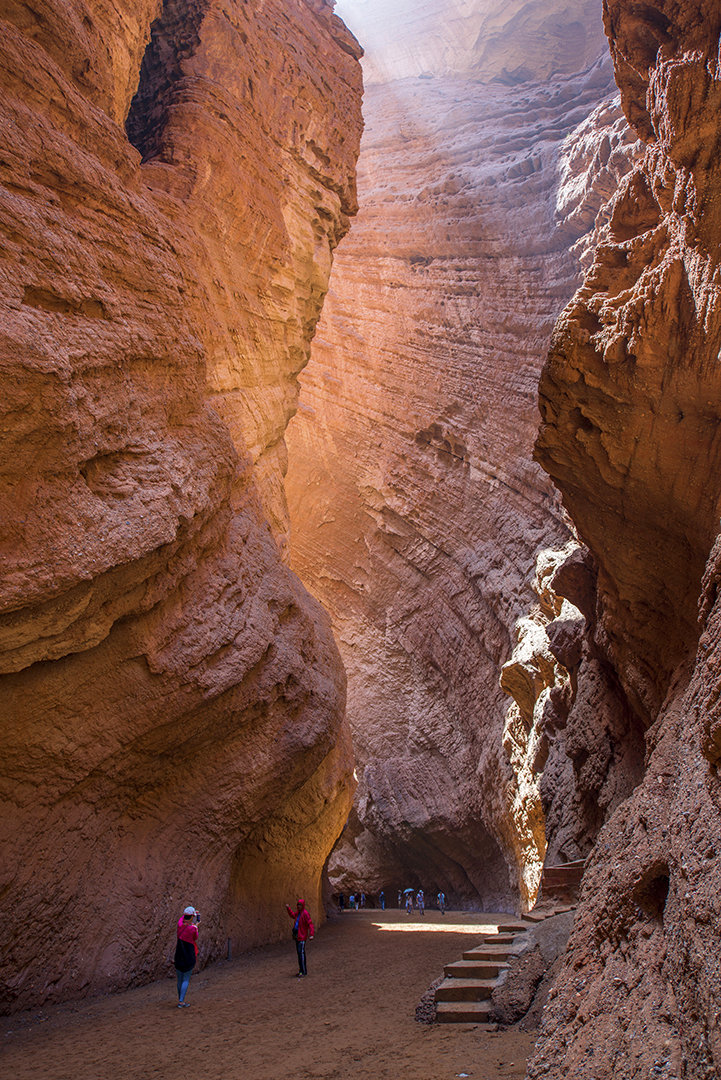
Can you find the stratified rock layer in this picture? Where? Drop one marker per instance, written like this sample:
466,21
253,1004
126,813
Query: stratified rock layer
172,704
630,400
511,43
416,508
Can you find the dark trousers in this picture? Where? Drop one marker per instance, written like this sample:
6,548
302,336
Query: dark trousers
300,949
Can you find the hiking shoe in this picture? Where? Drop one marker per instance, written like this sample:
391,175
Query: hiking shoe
183,1004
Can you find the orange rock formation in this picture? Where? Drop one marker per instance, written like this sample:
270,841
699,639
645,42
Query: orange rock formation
630,401
417,512
172,699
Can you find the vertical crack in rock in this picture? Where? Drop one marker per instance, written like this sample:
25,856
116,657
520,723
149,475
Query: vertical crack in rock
174,36
575,746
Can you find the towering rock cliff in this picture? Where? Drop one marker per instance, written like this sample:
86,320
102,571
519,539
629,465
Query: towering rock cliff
630,399
172,718
417,512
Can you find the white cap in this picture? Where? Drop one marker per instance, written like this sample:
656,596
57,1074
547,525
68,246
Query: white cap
189,911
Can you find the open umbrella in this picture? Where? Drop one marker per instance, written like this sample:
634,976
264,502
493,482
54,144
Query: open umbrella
407,891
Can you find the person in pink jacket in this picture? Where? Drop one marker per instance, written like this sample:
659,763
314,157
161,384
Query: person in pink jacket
186,952
303,930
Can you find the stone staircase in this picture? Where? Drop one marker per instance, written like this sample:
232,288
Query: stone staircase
545,909
464,996
562,882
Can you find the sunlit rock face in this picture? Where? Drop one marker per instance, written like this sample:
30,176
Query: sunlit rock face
417,511
512,43
574,744
172,699
630,399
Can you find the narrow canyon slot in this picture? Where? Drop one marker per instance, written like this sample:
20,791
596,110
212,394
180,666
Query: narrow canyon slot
360,500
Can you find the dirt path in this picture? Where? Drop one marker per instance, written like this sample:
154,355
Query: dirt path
351,1019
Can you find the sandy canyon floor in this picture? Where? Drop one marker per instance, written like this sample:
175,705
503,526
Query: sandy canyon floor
352,1018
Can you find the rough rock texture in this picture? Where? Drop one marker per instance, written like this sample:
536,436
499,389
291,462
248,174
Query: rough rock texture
415,506
638,994
630,431
525,979
574,744
172,704
594,158
630,399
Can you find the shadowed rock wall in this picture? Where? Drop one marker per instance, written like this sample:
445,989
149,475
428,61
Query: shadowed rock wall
417,511
630,399
172,720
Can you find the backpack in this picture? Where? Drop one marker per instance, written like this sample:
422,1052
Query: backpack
184,958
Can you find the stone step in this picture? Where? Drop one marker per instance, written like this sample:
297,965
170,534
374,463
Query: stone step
499,939
547,911
564,870
463,1012
562,882
562,873
465,989
512,928
485,952
474,969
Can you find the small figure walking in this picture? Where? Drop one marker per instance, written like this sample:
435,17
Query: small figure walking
382,899
362,899
420,902
400,898
186,952
409,903
303,930
442,903
341,903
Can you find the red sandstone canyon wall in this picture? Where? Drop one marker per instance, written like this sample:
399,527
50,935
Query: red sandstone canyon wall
172,721
630,399
417,512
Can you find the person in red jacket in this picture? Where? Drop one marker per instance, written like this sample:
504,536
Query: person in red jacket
303,930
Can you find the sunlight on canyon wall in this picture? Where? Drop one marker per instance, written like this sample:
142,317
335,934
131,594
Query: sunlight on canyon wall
417,512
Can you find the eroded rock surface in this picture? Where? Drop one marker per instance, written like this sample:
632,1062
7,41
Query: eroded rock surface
574,744
172,704
416,509
523,986
630,401
628,396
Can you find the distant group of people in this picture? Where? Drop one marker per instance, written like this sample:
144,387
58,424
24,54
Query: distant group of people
186,948
408,898
420,901
355,901
358,900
